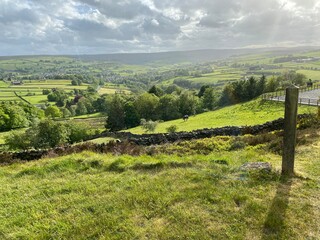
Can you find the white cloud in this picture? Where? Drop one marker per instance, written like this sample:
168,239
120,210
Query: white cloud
91,26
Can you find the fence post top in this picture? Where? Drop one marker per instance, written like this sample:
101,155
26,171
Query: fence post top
292,86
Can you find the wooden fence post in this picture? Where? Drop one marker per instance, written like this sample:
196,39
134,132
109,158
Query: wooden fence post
290,125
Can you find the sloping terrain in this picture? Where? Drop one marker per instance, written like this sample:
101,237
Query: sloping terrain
250,113
182,195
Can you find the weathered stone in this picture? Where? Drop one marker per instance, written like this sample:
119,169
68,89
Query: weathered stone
261,166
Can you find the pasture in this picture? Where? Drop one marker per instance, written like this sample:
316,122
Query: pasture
249,113
183,195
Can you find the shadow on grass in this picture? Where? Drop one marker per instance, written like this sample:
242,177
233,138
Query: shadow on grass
274,225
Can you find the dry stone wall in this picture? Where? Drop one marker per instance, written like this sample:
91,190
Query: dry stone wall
143,140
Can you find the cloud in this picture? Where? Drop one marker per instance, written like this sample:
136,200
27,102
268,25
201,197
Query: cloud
107,26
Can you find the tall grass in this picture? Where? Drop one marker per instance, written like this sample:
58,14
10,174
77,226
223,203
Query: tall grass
185,196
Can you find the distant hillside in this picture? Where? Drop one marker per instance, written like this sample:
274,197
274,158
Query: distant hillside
204,55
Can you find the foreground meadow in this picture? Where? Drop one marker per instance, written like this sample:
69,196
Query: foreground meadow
187,190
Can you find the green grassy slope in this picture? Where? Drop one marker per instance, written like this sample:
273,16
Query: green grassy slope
95,196
250,113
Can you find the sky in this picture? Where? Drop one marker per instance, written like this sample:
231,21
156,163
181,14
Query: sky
123,26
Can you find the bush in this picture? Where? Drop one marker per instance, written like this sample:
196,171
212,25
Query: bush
48,134
236,144
148,126
78,132
310,121
172,129
18,140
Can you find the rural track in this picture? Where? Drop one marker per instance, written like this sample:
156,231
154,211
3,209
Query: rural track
306,98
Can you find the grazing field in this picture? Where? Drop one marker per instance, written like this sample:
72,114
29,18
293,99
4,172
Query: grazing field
314,75
32,90
105,90
251,113
98,196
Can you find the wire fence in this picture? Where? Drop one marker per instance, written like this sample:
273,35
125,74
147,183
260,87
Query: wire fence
280,96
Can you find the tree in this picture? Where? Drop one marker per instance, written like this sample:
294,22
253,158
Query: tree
81,108
261,85
173,89
187,103
78,131
65,113
208,99
4,119
116,114
227,96
48,134
272,84
131,115
58,96
168,107
156,91
146,105
17,117
202,89
53,112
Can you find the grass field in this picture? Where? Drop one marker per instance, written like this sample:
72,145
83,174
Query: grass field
36,87
98,196
105,90
314,75
220,74
250,113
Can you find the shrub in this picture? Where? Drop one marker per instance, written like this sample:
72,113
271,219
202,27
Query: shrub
172,129
310,121
48,134
78,132
18,140
149,126
237,143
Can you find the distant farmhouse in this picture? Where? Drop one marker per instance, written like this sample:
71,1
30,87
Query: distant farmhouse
15,82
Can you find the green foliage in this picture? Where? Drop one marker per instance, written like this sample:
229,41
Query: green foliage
146,105
168,107
132,118
78,131
202,90
209,99
242,91
172,129
52,112
18,116
148,126
18,140
81,108
46,91
312,121
65,112
187,103
156,91
58,96
48,134
116,114
272,84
